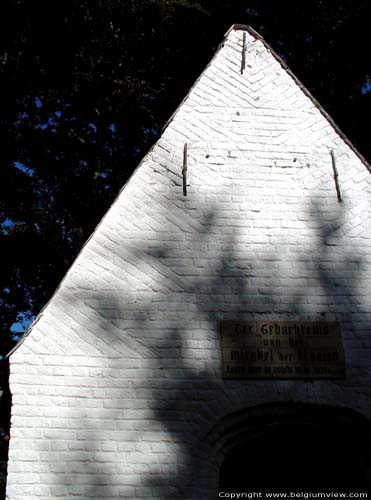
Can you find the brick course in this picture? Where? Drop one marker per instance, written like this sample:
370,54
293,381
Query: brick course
119,380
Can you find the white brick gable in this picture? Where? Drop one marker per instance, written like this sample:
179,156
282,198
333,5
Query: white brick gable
119,380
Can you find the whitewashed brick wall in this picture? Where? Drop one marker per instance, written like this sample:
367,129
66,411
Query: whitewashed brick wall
120,378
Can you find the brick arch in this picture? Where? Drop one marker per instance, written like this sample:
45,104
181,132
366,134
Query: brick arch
258,421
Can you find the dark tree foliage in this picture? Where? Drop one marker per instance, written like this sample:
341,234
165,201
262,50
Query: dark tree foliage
86,87
326,44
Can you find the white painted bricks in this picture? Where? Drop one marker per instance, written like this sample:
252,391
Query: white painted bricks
120,378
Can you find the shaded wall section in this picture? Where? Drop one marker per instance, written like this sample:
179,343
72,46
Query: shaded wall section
119,380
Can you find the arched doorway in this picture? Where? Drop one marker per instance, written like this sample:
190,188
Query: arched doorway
294,459
294,447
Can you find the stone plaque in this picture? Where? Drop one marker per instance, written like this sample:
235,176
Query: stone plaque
282,349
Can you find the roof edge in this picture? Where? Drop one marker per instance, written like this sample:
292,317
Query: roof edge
257,36
234,27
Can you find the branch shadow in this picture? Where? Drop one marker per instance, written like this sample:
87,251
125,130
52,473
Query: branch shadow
162,404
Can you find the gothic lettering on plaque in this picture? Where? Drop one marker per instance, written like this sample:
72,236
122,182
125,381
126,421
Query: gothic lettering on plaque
282,349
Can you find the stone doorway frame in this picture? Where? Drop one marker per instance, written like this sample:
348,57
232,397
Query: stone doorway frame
240,426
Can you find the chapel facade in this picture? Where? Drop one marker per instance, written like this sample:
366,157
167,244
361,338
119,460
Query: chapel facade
213,335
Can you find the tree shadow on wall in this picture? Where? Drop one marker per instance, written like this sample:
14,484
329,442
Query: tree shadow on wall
175,386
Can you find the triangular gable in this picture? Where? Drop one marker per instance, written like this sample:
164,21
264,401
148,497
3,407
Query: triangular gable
117,386
246,119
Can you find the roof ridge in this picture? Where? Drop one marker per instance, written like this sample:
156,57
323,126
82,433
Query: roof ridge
317,104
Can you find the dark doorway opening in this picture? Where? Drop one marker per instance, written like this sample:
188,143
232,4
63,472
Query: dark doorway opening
295,457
